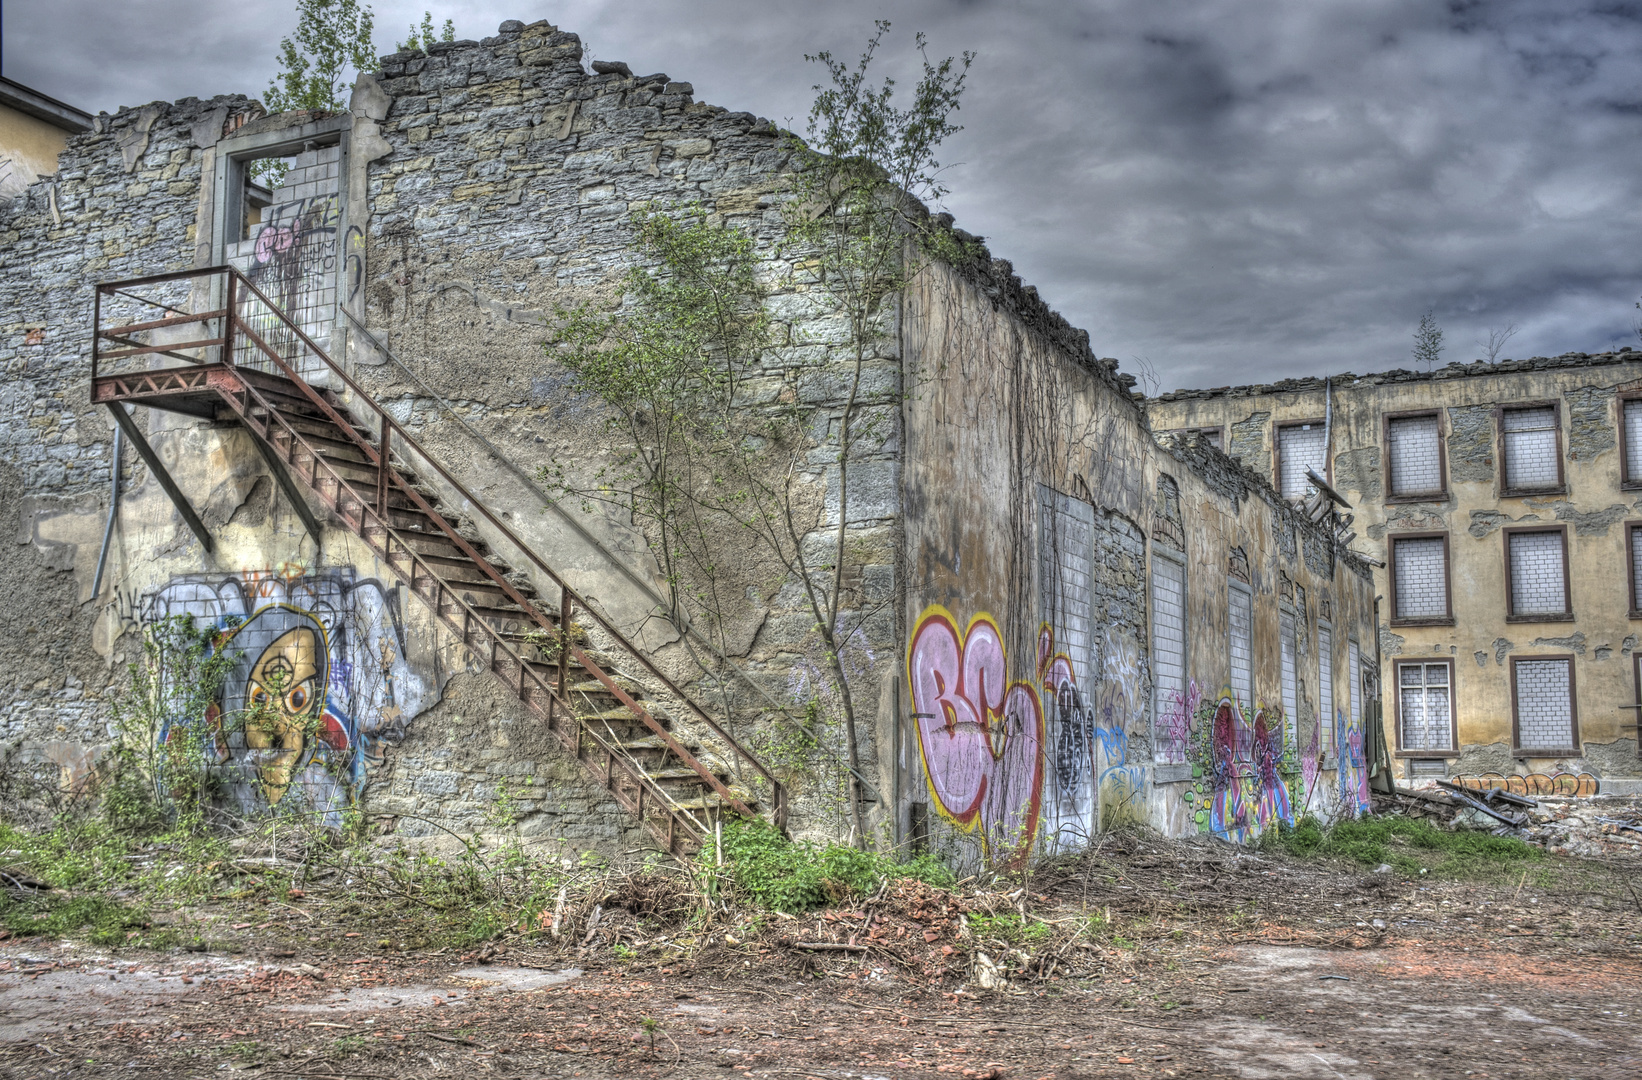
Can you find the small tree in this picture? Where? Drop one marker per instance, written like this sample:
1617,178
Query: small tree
1497,337
331,37
420,39
1428,342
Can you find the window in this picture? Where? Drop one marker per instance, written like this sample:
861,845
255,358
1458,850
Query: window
1630,428
1325,686
1633,541
1414,455
1242,645
1291,692
1542,705
1210,435
1532,453
1354,684
1419,579
1169,658
1425,705
1537,561
1299,447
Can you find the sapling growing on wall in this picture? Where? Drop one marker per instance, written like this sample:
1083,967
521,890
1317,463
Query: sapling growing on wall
331,37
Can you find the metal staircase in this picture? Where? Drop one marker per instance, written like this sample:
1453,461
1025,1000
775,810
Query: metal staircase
208,343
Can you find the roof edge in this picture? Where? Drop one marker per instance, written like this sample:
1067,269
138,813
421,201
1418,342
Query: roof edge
56,113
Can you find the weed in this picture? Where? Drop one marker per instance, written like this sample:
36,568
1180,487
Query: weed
793,876
1009,928
1423,847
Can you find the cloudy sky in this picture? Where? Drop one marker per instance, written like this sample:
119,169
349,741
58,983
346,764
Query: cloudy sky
1221,192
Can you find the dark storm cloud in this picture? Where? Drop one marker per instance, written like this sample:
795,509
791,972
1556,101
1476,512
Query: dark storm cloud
1230,191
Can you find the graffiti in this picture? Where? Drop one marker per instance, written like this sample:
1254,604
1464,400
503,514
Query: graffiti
1561,783
1352,766
1120,785
1239,791
319,686
1073,723
980,736
292,258
1174,724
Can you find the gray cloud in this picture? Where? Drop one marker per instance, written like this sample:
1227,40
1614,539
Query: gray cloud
1232,192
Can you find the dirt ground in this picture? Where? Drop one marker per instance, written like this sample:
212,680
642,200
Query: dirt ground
1209,961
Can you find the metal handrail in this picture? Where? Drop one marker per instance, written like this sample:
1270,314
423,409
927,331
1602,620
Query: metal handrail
233,279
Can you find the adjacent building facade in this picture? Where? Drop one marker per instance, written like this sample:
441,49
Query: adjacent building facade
1500,505
34,129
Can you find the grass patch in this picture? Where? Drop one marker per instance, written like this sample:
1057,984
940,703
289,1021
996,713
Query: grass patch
1409,845
102,921
793,876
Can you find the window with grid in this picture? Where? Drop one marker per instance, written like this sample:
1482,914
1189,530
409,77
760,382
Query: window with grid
1538,583
1416,457
1426,706
1242,645
1299,447
1636,567
1168,654
1545,704
1633,440
1325,684
1354,684
1531,449
1291,690
1421,565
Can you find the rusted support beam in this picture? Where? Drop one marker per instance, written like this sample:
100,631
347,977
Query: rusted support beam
152,460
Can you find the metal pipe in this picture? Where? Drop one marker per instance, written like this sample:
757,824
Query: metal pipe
113,510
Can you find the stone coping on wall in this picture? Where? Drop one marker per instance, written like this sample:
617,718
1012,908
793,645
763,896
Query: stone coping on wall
1347,380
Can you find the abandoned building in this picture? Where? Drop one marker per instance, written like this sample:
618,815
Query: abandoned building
290,375
1499,503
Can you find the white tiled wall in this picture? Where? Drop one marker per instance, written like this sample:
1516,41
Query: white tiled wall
1168,633
1544,706
1530,448
1416,465
1325,683
1299,448
1422,578
1537,586
1242,645
1291,696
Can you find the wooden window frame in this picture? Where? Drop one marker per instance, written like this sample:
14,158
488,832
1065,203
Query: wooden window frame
1517,749
1277,452
1428,754
1630,571
1511,615
1627,482
1447,578
1441,492
1508,492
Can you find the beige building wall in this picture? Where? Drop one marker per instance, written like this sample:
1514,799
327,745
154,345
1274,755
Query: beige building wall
28,149
1487,651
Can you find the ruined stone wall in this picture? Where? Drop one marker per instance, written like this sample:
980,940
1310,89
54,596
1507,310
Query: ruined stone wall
1479,638
1038,506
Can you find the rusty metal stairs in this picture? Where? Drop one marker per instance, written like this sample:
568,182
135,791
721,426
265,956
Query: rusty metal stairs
242,360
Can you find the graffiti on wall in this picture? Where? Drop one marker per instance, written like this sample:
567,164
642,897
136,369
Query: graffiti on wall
292,258
1174,724
1122,783
1562,783
1352,767
319,686
1239,788
980,735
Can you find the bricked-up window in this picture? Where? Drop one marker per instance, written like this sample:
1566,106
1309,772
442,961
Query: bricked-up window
1419,578
1425,705
1169,658
1630,421
1325,685
1242,644
1414,448
1210,435
1633,536
1291,689
1538,564
1299,447
1542,698
1533,459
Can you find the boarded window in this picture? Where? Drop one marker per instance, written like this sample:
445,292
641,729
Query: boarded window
1531,449
1425,705
1539,583
1325,685
1421,565
1299,447
1416,458
1633,441
1544,697
1169,659
1242,645
1291,689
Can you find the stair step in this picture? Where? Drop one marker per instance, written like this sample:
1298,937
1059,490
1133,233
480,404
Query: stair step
684,772
622,715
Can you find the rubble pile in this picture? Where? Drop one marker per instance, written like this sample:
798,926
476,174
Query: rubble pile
1593,826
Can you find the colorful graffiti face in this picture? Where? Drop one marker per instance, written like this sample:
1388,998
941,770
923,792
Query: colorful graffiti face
980,736
318,686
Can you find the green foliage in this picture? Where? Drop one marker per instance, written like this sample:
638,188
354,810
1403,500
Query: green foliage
419,40
1411,846
331,37
794,876
106,921
1009,928
1428,342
